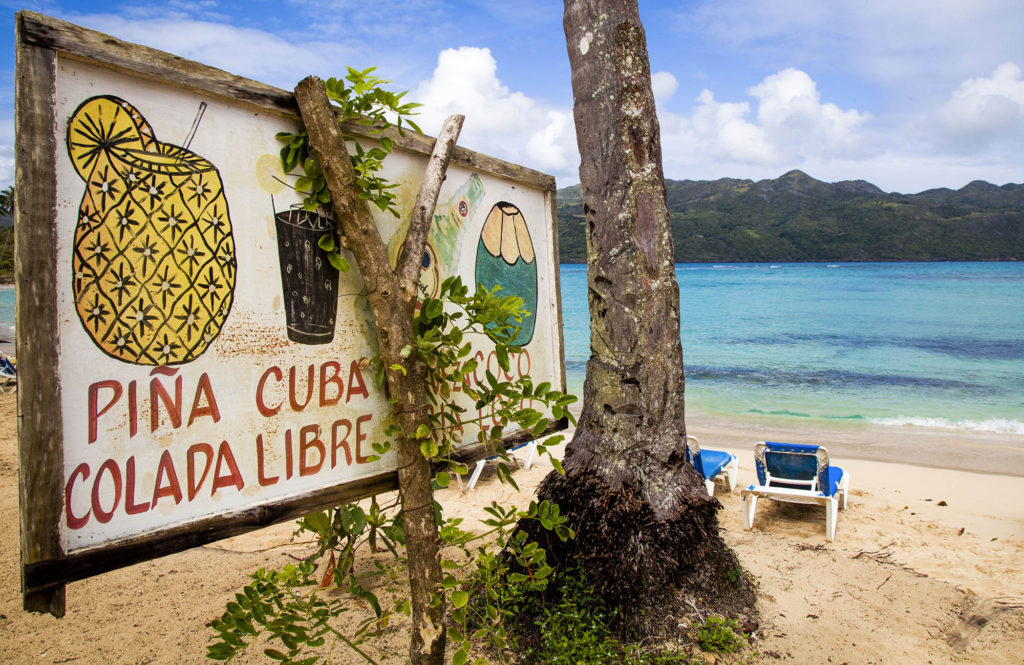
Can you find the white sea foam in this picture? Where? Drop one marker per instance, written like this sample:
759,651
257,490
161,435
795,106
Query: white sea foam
995,425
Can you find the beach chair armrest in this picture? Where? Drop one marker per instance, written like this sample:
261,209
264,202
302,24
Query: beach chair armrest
787,494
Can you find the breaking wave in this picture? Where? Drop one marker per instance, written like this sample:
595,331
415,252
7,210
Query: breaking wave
994,425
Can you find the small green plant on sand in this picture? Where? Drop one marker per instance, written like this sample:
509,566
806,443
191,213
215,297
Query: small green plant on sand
720,634
568,624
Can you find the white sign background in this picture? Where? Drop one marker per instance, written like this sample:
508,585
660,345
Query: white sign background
135,479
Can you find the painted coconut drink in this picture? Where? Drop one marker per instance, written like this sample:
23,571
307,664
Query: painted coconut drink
154,259
505,256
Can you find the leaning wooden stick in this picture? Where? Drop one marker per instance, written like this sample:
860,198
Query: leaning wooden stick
411,257
392,296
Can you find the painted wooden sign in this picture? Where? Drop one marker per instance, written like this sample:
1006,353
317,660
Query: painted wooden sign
191,365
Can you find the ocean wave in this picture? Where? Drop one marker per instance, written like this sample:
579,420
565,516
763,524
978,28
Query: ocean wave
797,414
994,425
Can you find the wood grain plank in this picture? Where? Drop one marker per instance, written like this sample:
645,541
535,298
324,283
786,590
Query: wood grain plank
46,575
101,49
151,64
552,202
43,575
40,434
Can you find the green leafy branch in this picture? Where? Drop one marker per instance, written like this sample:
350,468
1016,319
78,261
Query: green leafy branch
362,100
482,608
443,328
286,606
442,344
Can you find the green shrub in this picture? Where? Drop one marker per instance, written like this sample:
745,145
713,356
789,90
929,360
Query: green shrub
720,634
571,626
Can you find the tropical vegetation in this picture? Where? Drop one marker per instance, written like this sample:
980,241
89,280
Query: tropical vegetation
798,218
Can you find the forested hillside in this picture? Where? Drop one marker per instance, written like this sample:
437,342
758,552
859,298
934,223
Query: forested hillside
797,218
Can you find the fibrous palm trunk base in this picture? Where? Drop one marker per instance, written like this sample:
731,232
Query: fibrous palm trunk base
649,570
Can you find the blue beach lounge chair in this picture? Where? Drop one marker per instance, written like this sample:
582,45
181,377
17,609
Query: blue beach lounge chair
796,473
712,464
8,372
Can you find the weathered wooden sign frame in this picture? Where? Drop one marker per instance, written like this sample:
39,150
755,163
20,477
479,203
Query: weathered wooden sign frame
51,557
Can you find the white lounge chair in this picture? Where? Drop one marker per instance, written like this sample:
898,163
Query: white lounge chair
712,464
797,473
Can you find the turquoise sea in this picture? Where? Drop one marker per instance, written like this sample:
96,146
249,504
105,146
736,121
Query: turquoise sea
929,344
7,314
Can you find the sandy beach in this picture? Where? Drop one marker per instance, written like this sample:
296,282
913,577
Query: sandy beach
926,566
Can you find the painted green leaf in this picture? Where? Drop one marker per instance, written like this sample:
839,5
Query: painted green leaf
338,262
326,242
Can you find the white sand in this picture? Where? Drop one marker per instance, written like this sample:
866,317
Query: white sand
895,587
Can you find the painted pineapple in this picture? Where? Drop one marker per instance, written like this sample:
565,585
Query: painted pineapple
154,257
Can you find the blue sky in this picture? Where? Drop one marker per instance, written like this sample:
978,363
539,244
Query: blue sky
907,94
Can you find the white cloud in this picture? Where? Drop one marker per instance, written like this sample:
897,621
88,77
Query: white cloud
719,130
499,122
6,165
983,112
248,52
947,111
909,171
915,48
553,146
791,124
791,111
664,86
206,9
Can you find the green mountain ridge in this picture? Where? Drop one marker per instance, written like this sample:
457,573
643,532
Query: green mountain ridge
797,218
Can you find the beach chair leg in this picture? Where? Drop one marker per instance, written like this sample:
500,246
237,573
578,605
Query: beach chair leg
731,471
844,489
531,456
710,486
749,506
476,474
831,507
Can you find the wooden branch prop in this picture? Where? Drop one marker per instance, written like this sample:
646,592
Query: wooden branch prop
360,234
392,296
410,259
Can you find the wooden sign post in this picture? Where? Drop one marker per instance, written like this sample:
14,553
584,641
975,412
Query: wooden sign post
191,366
